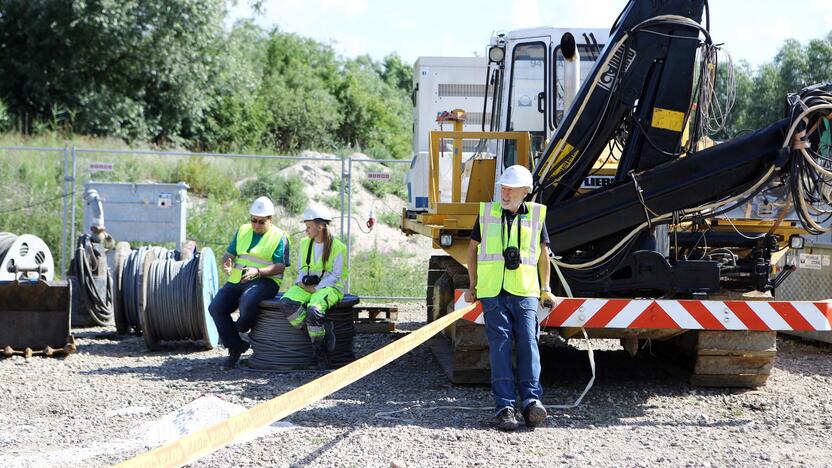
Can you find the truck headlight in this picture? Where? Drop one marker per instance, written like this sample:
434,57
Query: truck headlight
446,239
496,54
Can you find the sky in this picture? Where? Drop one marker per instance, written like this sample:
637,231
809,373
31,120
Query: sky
752,30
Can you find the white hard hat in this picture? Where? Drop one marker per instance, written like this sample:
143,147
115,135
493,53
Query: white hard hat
516,176
314,212
262,207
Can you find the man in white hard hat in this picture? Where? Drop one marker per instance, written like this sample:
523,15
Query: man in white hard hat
320,283
507,264
254,262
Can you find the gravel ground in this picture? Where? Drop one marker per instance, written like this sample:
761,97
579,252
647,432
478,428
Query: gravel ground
639,413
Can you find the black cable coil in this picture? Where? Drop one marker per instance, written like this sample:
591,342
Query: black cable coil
94,284
127,317
278,346
178,293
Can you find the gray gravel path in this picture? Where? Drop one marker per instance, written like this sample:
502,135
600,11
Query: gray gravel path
54,412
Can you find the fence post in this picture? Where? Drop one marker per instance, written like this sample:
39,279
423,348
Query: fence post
64,216
349,221
72,198
342,197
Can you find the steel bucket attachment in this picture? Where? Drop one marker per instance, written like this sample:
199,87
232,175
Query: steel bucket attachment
34,318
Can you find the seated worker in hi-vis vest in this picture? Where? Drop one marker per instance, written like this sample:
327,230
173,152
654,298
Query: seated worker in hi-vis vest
508,262
254,262
320,283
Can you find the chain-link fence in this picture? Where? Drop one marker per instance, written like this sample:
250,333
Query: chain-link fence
42,194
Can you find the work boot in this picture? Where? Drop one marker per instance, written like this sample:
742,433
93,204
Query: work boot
534,414
329,336
319,352
506,420
234,355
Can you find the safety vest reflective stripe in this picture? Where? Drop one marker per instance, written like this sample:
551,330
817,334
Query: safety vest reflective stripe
297,318
256,261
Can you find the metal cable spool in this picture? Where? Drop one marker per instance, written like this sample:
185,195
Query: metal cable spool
130,290
122,252
177,295
278,346
25,257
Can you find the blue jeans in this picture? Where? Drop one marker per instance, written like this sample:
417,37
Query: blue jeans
246,297
512,320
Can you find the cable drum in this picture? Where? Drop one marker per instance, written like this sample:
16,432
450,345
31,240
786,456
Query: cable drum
25,258
177,295
278,346
131,287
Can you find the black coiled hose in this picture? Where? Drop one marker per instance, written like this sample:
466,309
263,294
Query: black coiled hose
96,296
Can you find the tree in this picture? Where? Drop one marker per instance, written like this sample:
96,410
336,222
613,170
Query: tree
129,68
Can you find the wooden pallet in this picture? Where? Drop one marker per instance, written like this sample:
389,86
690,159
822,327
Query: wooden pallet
724,358
375,319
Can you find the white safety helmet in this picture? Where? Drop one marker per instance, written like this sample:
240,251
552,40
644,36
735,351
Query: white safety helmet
314,212
262,207
516,176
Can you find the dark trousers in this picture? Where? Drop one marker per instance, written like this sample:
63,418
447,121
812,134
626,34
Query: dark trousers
243,296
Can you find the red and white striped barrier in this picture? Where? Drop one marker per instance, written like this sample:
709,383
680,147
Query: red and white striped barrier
678,314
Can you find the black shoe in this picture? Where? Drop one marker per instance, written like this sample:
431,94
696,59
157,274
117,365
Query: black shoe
506,420
319,354
329,336
234,355
534,414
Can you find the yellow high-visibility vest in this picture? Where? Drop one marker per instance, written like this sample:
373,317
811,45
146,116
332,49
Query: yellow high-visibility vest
492,277
311,266
260,256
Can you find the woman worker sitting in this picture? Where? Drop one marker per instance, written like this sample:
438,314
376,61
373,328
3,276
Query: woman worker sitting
320,282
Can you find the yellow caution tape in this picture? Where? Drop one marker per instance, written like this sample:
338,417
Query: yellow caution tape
193,446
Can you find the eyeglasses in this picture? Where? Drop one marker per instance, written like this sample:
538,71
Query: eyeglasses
259,220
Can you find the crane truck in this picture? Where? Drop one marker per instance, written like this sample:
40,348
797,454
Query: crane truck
653,236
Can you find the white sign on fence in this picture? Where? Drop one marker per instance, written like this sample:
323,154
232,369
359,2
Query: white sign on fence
378,175
101,167
810,261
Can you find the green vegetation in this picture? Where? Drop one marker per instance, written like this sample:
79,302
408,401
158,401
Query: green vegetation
387,274
332,201
395,186
761,93
284,191
166,72
390,218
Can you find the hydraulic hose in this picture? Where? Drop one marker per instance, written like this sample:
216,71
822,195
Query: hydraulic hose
97,297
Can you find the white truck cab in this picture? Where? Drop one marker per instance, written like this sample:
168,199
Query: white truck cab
522,84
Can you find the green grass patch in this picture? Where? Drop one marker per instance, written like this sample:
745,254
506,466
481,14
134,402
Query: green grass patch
390,218
387,274
332,201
